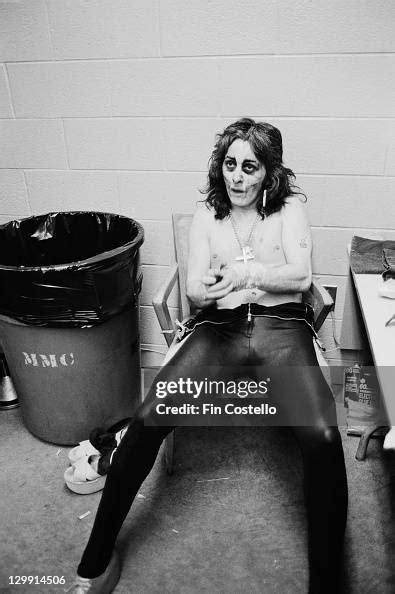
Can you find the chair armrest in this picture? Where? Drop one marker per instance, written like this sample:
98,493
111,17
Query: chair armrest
161,308
321,301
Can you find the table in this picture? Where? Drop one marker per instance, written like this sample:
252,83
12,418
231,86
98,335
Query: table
376,311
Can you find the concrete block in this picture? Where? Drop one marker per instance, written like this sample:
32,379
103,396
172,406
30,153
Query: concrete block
310,145
390,160
330,248
72,190
5,98
334,86
159,194
349,201
334,146
114,144
337,26
216,28
32,144
13,193
389,167
292,26
6,218
60,89
149,327
24,31
151,357
164,87
104,29
154,276
188,143
158,243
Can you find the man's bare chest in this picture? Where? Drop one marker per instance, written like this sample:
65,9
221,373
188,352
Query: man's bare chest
264,244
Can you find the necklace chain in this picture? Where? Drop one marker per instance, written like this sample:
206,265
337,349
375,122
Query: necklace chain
252,229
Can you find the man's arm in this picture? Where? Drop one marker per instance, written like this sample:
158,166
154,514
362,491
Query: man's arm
292,277
295,275
200,277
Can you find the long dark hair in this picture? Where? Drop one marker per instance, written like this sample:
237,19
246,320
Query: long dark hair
266,143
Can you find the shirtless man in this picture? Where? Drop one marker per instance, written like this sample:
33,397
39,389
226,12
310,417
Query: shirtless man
265,261
249,263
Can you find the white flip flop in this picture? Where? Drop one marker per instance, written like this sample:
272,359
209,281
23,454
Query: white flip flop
81,478
84,448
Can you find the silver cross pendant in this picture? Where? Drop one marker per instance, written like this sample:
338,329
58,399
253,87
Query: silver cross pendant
247,254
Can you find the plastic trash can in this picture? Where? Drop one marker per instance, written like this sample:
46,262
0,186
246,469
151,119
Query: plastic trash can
69,320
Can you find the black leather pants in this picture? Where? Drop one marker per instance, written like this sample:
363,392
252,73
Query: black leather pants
262,340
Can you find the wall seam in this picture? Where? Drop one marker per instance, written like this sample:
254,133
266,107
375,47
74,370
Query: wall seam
8,85
118,190
340,228
159,13
207,57
49,30
66,148
28,196
162,141
215,117
200,171
204,172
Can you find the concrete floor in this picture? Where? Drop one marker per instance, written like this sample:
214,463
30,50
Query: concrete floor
189,533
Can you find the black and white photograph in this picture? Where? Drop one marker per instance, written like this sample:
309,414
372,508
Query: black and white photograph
197,296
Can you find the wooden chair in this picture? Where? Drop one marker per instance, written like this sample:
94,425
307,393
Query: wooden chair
317,297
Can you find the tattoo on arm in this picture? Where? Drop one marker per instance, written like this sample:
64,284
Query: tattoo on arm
303,242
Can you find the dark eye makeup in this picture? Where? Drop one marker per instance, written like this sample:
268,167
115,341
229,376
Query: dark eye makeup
248,166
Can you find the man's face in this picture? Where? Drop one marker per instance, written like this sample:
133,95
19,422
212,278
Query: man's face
243,174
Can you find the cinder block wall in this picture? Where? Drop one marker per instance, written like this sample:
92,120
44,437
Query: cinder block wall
113,105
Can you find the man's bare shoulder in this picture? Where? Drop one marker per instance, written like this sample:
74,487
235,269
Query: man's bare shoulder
294,207
203,217
295,201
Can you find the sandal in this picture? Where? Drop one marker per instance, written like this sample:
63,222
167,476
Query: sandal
81,477
83,449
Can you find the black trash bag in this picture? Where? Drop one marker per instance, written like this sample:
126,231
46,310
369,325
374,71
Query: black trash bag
69,269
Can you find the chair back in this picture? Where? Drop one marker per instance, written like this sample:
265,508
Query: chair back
181,226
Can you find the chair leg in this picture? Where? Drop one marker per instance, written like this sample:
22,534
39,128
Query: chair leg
169,452
364,442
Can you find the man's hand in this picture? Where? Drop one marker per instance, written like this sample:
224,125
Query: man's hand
214,285
211,277
199,292
224,283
